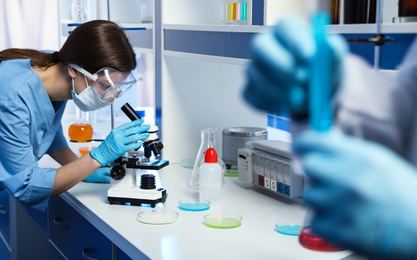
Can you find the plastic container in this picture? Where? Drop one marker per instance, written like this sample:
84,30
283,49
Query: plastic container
208,140
211,178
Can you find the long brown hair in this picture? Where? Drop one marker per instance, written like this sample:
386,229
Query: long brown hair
92,45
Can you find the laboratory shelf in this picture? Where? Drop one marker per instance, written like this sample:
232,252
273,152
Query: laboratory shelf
136,26
216,43
215,27
207,58
397,28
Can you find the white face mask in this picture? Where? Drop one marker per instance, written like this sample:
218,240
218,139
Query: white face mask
88,99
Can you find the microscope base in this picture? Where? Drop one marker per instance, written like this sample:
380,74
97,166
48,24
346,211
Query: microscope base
136,196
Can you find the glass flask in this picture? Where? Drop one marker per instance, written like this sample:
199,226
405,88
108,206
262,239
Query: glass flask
80,131
208,140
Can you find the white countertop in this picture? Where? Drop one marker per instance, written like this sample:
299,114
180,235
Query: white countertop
189,238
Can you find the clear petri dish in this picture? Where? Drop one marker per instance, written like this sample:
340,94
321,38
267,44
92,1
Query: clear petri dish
188,163
288,229
158,218
194,205
222,220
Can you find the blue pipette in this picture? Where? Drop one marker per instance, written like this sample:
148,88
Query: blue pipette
321,87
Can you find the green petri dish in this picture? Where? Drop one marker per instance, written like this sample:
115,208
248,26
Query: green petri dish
288,229
194,205
222,221
231,173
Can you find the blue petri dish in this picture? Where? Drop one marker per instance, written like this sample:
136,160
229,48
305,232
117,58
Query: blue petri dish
288,229
194,205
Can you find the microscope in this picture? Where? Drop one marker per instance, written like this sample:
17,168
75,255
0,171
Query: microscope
124,188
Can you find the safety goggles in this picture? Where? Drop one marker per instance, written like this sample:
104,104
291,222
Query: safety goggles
107,82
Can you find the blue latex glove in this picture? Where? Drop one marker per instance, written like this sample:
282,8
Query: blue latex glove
364,195
101,175
280,70
120,140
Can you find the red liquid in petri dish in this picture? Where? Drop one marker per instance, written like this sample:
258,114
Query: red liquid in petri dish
311,241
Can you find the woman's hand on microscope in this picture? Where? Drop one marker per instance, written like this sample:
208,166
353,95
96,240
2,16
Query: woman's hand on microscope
101,175
121,140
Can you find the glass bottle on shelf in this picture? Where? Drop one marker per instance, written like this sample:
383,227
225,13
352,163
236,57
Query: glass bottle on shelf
235,12
359,11
335,11
407,8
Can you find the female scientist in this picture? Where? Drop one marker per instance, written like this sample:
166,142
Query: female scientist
363,192
92,68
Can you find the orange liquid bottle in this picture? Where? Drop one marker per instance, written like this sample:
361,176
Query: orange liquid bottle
80,131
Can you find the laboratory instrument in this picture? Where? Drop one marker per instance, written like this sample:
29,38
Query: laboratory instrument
211,176
124,188
268,164
208,139
222,220
235,138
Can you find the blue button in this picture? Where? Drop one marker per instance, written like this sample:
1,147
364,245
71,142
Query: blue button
287,190
280,187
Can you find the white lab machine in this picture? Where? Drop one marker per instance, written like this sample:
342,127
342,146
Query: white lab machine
268,164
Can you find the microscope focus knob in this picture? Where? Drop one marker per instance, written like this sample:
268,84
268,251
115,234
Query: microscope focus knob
118,172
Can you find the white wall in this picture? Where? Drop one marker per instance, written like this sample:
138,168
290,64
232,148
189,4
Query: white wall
198,94
29,24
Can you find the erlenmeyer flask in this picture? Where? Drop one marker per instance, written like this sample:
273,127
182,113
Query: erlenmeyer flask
208,140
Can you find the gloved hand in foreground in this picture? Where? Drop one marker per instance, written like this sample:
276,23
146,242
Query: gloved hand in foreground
364,195
120,140
101,175
280,70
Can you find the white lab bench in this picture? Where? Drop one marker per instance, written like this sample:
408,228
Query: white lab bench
189,238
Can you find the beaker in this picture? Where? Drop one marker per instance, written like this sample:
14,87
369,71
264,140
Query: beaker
208,140
86,147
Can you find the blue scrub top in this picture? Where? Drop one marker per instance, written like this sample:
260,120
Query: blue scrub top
30,126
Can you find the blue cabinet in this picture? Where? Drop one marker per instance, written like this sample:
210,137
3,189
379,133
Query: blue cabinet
5,215
73,235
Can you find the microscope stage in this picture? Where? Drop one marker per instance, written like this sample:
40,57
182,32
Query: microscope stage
136,196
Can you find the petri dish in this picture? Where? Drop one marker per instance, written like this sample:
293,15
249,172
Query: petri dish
288,229
188,163
231,173
194,205
222,220
157,218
